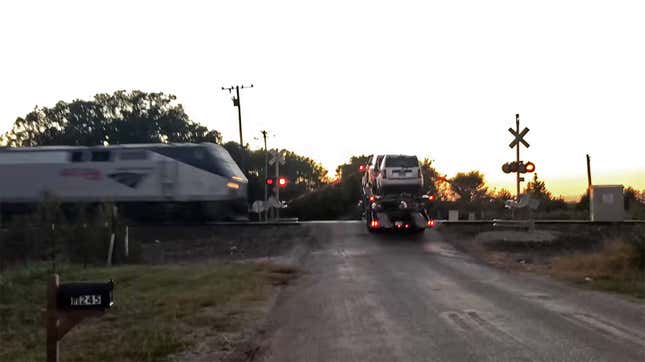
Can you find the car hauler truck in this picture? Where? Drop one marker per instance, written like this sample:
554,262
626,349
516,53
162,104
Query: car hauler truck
394,198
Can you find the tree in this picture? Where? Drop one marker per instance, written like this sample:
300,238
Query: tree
120,117
631,197
335,200
537,189
497,201
503,194
351,168
583,203
304,174
470,187
634,203
430,175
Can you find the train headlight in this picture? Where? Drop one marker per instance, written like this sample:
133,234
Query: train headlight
233,185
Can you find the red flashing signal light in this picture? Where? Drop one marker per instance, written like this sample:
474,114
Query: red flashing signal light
269,181
282,181
362,168
521,167
372,198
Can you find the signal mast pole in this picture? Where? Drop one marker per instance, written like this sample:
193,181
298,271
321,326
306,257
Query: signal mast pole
517,147
518,167
266,165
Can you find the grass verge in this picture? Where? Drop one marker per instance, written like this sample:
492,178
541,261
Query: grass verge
159,310
615,267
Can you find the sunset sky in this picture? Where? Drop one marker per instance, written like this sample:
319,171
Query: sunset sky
338,78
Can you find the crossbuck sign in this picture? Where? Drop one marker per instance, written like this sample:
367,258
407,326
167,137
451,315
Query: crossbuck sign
519,137
276,156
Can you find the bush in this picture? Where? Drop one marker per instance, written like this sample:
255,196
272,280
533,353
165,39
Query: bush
55,232
614,258
638,244
617,266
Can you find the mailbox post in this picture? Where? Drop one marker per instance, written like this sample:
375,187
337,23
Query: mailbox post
52,319
68,304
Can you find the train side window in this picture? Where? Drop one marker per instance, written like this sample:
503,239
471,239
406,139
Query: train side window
133,155
77,156
100,156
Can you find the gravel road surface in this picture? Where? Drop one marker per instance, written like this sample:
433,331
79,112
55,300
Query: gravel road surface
370,297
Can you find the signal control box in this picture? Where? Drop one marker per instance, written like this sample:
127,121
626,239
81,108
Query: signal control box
606,203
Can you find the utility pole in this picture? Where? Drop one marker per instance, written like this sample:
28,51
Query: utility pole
589,183
236,103
277,187
588,173
266,166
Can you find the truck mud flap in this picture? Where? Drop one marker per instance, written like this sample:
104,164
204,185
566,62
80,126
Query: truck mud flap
384,219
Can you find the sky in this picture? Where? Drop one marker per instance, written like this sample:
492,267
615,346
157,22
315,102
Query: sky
439,79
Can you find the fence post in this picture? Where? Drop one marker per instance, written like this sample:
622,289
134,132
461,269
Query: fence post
127,246
110,250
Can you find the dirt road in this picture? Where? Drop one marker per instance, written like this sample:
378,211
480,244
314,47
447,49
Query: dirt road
386,298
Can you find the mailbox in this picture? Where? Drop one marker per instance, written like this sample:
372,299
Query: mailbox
85,296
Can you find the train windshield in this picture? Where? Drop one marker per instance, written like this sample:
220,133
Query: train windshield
224,163
208,157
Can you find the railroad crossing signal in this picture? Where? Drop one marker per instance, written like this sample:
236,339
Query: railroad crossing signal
277,159
521,167
276,156
518,166
280,181
519,137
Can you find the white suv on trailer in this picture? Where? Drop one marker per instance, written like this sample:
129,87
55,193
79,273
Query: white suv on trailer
399,174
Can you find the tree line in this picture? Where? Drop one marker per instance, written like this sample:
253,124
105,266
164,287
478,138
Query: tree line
118,118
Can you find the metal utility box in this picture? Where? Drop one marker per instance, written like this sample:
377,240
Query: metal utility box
606,203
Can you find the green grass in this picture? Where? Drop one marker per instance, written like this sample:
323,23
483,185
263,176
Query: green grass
159,310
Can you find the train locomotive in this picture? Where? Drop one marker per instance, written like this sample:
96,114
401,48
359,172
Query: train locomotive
146,181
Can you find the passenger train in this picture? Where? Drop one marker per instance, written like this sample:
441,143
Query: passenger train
146,180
